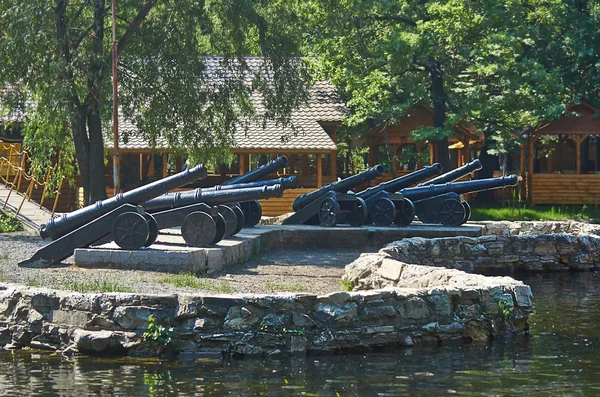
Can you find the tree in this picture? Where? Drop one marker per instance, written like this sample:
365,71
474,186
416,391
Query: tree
472,60
58,55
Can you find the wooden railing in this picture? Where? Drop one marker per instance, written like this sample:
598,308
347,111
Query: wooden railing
13,174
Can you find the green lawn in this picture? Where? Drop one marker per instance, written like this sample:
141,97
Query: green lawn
537,213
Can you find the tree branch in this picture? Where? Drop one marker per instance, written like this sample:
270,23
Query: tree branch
135,24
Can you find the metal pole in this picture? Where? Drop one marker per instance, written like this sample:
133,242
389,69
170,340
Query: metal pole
116,154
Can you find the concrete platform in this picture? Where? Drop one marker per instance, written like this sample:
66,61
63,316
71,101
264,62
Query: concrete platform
170,254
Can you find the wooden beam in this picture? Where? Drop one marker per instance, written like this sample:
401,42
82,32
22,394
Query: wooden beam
531,139
292,165
319,171
333,163
141,166
522,160
432,154
305,165
165,168
372,155
578,139
466,152
242,164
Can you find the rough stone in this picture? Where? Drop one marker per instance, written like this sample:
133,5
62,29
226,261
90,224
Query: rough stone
414,308
240,317
390,269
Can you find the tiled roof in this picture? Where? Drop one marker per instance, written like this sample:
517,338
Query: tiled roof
305,133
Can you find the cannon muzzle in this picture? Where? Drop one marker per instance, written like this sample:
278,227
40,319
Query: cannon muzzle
455,174
259,173
402,182
57,227
422,192
212,197
340,186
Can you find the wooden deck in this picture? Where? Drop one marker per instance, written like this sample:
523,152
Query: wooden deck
575,189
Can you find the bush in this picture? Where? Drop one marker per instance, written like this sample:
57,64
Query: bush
9,224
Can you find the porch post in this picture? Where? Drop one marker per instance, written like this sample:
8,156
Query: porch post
532,138
242,163
319,170
578,139
333,164
372,155
165,167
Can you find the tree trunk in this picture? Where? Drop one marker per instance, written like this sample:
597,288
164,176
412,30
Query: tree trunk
438,97
488,163
82,149
96,159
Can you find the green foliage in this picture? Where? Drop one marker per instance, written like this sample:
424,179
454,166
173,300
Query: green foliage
9,224
506,306
346,285
189,280
156,332
536,213
96,285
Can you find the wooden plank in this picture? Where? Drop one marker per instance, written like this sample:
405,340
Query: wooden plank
319,171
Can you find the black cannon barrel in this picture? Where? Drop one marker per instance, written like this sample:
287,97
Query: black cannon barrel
402,182
58,227
286,182
342,186
259,173
212,197
455,174
421,192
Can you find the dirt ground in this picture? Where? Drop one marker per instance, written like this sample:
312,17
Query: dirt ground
312,271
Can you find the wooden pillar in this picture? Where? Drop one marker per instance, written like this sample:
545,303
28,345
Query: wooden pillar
141,166
150,164
372,156
522,160
334,164
178,164
419,150
532,139
319,170
165,169
432,154
578,139
305,165
242,157
292,163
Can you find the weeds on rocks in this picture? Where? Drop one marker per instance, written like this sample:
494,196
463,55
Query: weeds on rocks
189,280
288,287
9,224
96,286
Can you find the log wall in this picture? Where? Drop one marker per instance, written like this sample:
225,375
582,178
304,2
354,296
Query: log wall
565,189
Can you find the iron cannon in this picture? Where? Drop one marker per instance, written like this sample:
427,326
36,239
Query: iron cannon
443,203
206,216
386,206
334,203
453,175
88,225
252,209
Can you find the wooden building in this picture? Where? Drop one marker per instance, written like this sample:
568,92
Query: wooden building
409,154
564,159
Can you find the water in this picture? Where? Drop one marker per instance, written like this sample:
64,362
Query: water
561,357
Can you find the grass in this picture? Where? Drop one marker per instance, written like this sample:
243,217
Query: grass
288,287
9,224
96,286
189,280
537,213
346,286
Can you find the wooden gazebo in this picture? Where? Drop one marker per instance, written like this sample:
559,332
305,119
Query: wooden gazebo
564,159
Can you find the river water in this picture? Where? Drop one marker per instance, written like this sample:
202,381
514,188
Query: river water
560,357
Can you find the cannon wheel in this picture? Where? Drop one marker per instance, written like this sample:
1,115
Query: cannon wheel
130,230
328,212
221,228
383,212
467,211
241,219
406,215
231,220
252,212
451,212
198,229
359,214
153,230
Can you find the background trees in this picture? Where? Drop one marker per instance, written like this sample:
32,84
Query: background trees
57,55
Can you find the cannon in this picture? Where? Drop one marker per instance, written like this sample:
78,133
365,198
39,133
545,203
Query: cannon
332,203
386,206
453,175
88,225
252,209
443,203
206,216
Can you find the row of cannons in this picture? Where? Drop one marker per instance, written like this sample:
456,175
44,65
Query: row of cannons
207,215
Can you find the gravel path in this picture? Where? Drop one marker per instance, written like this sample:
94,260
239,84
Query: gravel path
310,271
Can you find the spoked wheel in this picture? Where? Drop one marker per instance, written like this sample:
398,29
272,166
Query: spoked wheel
153,230
451,213
467,211
383,212
231,221
252,212
221,228
241,220
198,229
359,214
328,212
130,230
406,214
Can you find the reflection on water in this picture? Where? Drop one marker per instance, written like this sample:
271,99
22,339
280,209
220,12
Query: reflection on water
560,357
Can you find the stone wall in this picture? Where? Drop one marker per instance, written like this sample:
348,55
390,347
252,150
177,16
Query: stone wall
259,325
506,228
500,254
